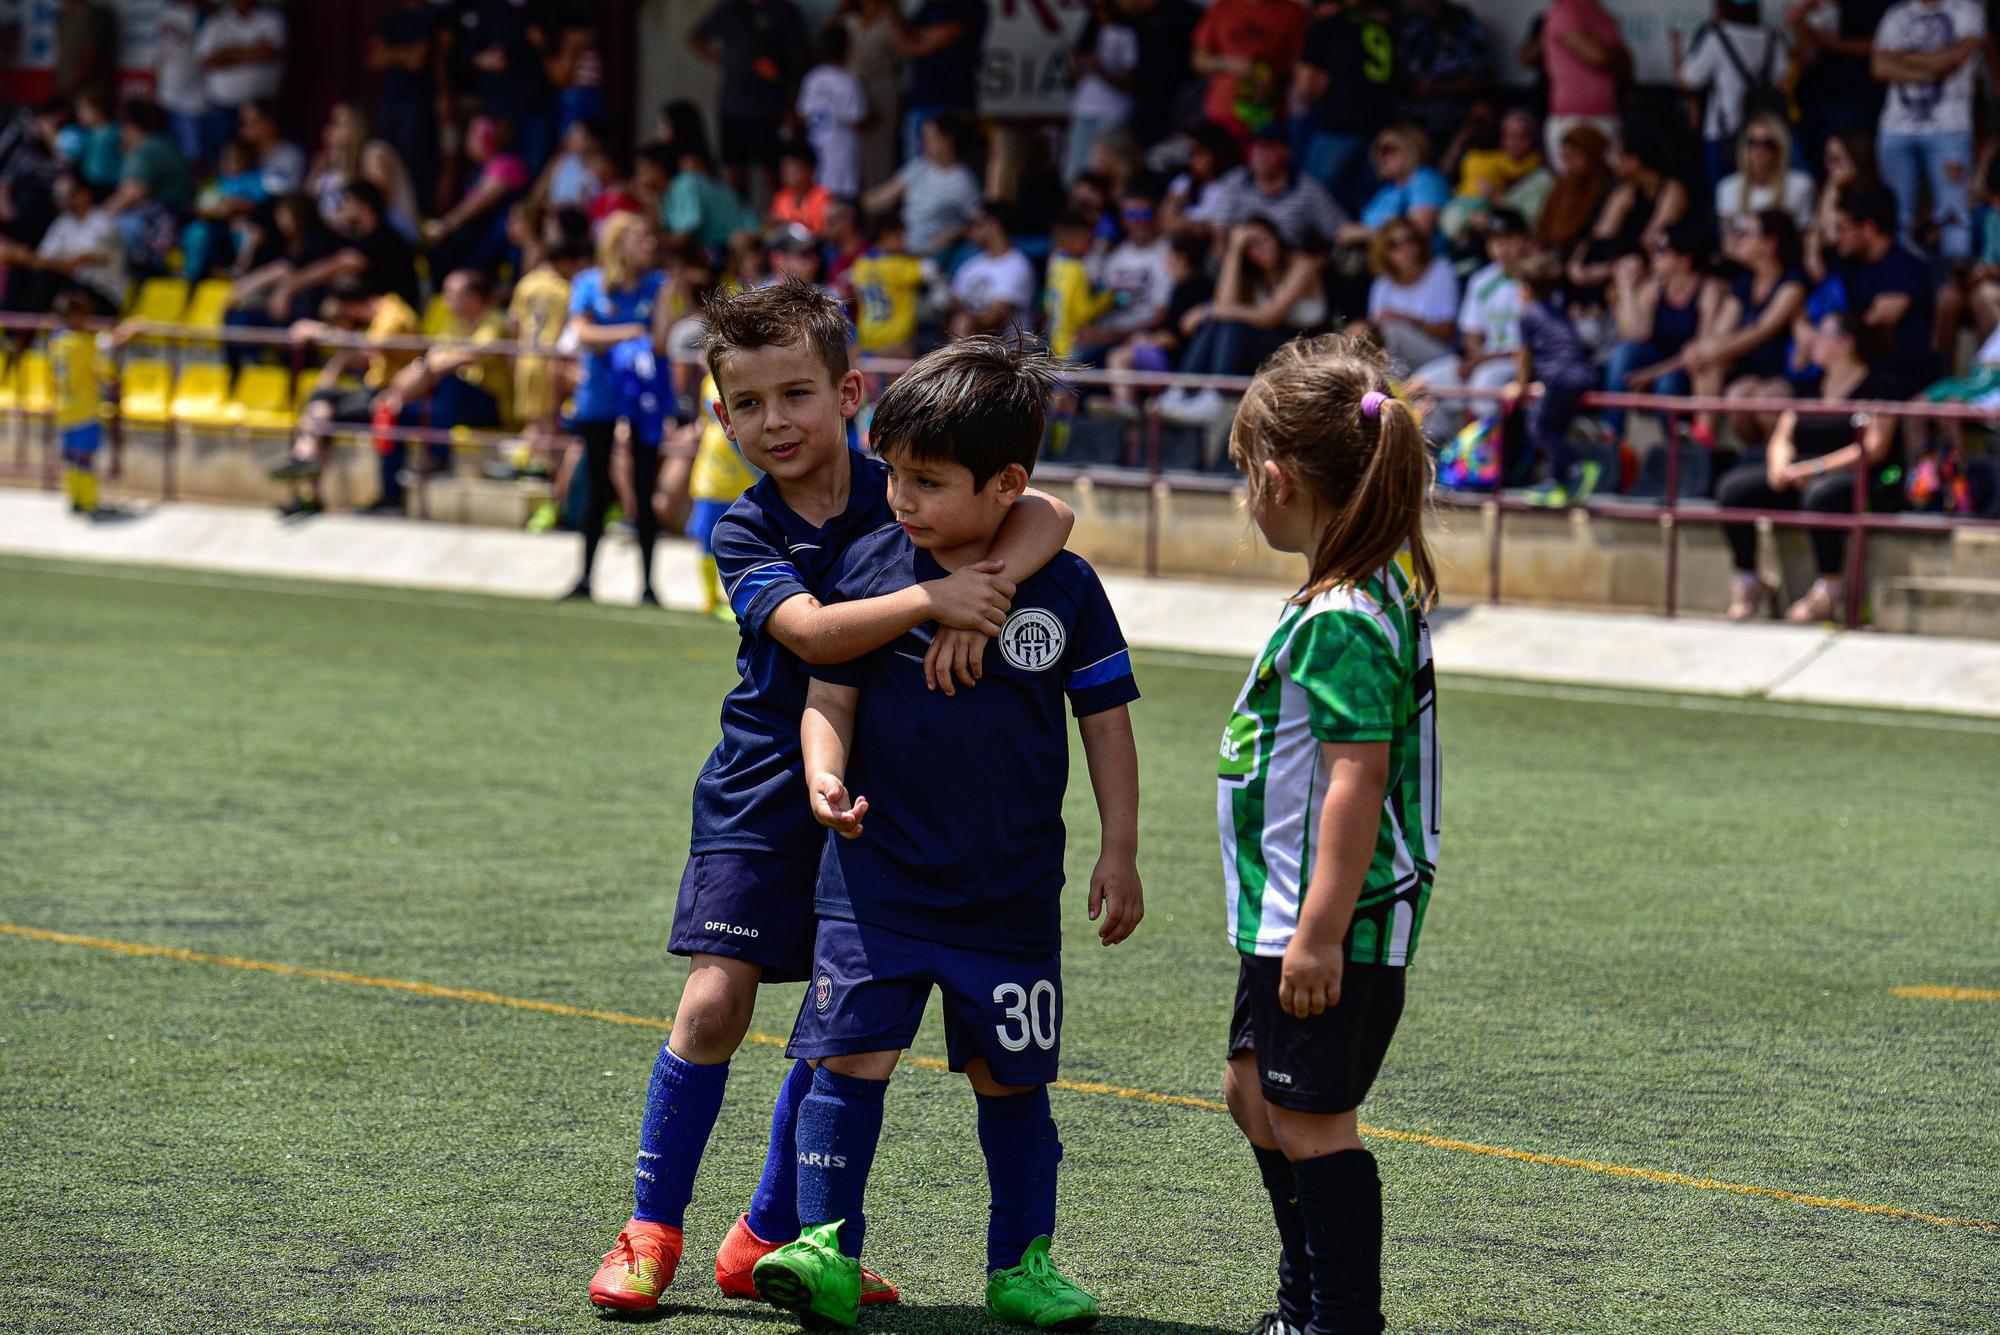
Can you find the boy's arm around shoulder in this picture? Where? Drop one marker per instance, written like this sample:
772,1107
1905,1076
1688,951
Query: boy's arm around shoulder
975,598
1034,533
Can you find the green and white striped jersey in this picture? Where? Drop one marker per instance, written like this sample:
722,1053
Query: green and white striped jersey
1352,665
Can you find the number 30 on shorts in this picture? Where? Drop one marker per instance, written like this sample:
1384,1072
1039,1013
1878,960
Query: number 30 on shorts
1031,1015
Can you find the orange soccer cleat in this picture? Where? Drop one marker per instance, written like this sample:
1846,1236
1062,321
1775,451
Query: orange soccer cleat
742,1250
638,1267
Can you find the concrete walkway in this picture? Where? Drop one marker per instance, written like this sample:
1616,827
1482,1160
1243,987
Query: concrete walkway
1802,665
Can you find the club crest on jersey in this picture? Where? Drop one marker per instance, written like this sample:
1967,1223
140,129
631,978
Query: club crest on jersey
1031,640
823,992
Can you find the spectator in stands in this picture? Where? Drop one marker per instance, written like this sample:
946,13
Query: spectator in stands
698,206
1346,81
1765,178
290,242
236,192
1102,61
381,316
155,187
1413,302
834,107
1155,349
1266,292
1587,60
1489,321
28,177
1554,357
536,314
799,198
86,50
350,152
405,54
1974,290
508,42
1492,172
1166,63
994,291
1837,92
1664,305
282,162
759,46
886,280
177,78
1071,298
575,176
1411,188
619,320
938,192
943,44
446,387
1886,288
1446,60
473,234
875,58
1246,50
1267,187
843,241
1745,358
1647,199
82,251
1739,61
1138,272
1848,158
1212,155
575,67
91,141
367,250
242,51
1925,51
1810,464
1580,189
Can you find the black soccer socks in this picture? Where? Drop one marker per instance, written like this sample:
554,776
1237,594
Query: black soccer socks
1340,1199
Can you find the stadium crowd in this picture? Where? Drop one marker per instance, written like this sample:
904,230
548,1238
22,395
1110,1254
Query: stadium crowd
1810,212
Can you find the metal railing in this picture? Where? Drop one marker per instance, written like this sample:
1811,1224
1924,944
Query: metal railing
1142,467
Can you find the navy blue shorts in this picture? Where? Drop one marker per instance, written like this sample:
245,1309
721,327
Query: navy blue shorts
749,906
870,986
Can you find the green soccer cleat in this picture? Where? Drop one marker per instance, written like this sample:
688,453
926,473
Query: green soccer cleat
812,1277
1034,1293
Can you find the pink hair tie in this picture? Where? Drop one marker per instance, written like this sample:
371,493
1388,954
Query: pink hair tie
1371,403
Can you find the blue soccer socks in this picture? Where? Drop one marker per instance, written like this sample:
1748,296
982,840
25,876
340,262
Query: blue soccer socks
839,1125
1018,1135
682,1103
774,1210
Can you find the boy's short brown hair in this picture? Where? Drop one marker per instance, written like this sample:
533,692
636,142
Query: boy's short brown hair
779,315
980,401
1542,274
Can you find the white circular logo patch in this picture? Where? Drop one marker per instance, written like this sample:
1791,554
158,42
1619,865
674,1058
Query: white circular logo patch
1031,639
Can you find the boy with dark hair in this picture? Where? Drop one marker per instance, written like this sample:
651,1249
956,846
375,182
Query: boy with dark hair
1552,355
745,911
975,914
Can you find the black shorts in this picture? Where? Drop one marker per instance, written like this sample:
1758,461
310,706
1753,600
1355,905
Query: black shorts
1326,1063
748,143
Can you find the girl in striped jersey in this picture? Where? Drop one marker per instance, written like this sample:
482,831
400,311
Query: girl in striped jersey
1328,805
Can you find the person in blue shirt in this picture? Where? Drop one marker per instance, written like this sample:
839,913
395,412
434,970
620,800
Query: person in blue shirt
943,867
744,913
619,321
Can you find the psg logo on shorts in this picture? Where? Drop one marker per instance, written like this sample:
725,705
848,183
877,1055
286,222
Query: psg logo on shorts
1031,640
823,992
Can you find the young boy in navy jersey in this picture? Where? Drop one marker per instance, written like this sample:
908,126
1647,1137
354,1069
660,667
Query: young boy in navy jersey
948,872
745,910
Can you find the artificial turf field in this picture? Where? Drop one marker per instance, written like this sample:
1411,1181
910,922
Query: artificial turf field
1663,938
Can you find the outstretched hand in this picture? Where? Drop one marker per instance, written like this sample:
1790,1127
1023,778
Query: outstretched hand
832,808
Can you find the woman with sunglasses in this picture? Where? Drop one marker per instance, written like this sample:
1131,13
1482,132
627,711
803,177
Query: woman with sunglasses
1413,302
1764,177
1265,293
1662,306
1411,188
1746,358
1811,464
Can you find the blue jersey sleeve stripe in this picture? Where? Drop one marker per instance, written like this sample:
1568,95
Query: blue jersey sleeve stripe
1103,670
758,578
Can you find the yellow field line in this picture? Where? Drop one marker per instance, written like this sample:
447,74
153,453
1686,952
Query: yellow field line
133,948
1934,992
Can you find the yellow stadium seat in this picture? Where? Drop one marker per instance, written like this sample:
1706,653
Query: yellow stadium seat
263,398
161,300
436,315
142,390
208,305
201,396
34,385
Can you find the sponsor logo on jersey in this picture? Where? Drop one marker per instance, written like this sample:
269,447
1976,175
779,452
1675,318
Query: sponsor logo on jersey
729,929
823,992
1031,640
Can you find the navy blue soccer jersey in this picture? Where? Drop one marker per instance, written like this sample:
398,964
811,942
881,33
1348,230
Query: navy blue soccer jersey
964,834
751,794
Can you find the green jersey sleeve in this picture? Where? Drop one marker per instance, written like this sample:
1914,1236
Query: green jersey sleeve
1350,675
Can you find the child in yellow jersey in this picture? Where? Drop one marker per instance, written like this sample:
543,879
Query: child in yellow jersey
886,280
538,312
80,376
720,476
1070,299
